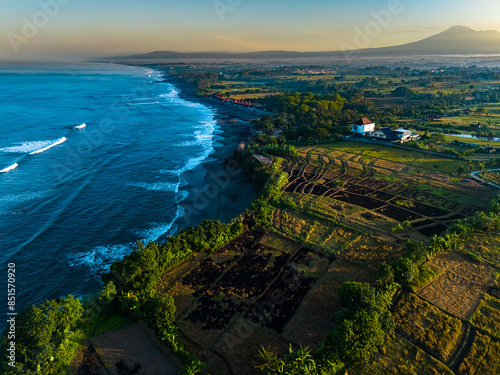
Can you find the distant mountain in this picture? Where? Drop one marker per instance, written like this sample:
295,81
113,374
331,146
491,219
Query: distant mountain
458,40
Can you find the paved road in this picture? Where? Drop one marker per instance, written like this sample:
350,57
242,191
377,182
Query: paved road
474,176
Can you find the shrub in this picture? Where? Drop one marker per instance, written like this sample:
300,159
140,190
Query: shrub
49,339
404,271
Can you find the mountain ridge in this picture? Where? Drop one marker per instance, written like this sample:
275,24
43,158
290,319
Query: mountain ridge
459,40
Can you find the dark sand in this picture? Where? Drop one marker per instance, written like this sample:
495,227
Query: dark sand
217,191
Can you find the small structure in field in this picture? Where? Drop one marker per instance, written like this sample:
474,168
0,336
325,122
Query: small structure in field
363,126
263,159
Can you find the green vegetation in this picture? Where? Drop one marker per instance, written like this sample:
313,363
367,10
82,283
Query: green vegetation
479,235
306,117
401,227
297,362
51,335
487,316
364,323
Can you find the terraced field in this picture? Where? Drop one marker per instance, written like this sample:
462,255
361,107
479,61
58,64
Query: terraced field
335,224
416,188
345,200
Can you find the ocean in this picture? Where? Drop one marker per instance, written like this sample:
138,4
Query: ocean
93,157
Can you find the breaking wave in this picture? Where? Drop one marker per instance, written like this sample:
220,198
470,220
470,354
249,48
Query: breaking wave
55,143
12,167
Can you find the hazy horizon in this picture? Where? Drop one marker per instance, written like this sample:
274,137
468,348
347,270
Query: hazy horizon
35,30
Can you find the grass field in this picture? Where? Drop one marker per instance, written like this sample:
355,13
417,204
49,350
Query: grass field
475,141
487,316
460,286
409,158
484,245
482,358
402,357
227,301
428,327
492,177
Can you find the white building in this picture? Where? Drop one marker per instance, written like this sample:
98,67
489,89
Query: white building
363,126
387,134
406,135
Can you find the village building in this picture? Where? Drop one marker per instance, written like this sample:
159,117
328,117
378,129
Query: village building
400,135
405,135
387,134
363,126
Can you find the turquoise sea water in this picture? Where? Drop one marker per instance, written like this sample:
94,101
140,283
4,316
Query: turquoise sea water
92,158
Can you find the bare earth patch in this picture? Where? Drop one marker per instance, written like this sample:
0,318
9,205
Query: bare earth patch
131,350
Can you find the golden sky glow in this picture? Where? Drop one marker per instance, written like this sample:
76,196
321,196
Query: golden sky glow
88,28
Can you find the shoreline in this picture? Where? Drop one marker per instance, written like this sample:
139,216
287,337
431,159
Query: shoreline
217,191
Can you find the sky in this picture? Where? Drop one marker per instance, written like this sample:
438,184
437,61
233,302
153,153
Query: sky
77,29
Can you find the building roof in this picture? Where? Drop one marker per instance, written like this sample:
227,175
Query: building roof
363,121
402,131
263,159
389,133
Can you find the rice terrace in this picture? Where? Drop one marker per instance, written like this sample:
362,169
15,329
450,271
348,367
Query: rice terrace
345,204
387,184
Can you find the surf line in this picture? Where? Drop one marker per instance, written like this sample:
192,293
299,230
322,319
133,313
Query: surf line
8,169
58,142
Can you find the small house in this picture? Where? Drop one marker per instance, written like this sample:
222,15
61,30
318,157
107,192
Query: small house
363,126
405,135
387,134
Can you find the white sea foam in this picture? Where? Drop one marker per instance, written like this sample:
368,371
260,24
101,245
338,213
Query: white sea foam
155,232
80,126
158,230
100,258
23,197
181,195
55,143
157,186
26,147
34,147
173,97
12,167
144,103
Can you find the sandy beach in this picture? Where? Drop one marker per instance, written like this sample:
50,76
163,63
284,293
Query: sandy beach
217,190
